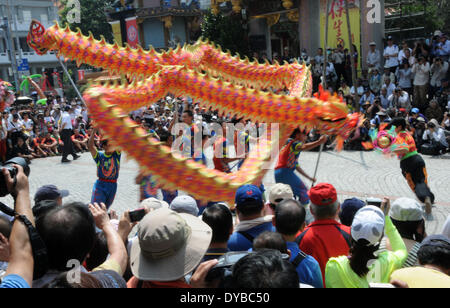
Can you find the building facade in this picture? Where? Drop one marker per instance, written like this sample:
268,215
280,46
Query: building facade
22,12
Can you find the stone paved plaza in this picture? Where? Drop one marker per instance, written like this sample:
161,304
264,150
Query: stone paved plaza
354,174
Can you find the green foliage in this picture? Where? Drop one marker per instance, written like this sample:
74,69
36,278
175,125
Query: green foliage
435,17
226,31
93,18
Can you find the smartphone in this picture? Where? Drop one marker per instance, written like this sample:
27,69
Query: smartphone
374,201
137,215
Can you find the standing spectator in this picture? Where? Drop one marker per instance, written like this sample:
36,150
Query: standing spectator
403,54
421,71
168,247
391,55
338,59
15,128
420,49
19,273
325,237
289,219
434,269
249,210
443,49
373,57
319,57
405,77
363,266
439,70
407,216
348,210
65,130
218,216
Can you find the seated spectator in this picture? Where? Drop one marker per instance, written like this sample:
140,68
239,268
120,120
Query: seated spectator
37,148
388,75
375,81
358,89
384,99
419,128
80,141
348,210
249,211
169,246
436,136
414,115
363,266
264,268
289,219
434,111
218,216
407,216
434,269
49,144
380,117
325,237
361,134
389,85
21,150
367,97
185,204
61,229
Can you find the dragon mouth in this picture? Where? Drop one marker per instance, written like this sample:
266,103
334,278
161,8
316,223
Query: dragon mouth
211,77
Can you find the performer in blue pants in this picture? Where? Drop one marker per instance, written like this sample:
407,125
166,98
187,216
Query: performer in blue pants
108,166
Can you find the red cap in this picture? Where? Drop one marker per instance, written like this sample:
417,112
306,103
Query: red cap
323,194
402,110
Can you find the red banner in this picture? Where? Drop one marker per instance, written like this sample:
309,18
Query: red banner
80,75
132,32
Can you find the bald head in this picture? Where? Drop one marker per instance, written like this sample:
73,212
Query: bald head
289,217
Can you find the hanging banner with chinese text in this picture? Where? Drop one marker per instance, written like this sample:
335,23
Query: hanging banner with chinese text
337,25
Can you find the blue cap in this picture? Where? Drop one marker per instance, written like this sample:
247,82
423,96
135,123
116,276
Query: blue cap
248,192
49,192
415,110
348,210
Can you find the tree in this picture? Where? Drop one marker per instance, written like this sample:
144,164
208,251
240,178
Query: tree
92,16
226,31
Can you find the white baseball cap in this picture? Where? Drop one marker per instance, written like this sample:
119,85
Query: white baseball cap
280,192
368,224
406,209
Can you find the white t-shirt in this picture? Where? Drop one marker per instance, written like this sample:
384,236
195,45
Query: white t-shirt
392,52
66,119
28,124
15,126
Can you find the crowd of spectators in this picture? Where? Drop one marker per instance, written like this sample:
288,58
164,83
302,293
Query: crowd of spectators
258,244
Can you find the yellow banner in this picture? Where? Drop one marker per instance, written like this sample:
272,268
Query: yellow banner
337,26
115,25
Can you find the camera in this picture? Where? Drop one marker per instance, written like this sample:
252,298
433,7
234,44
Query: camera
137,215
374,201
8,165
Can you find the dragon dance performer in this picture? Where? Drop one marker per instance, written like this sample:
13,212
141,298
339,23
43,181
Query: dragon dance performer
288,163
412,164
108,165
